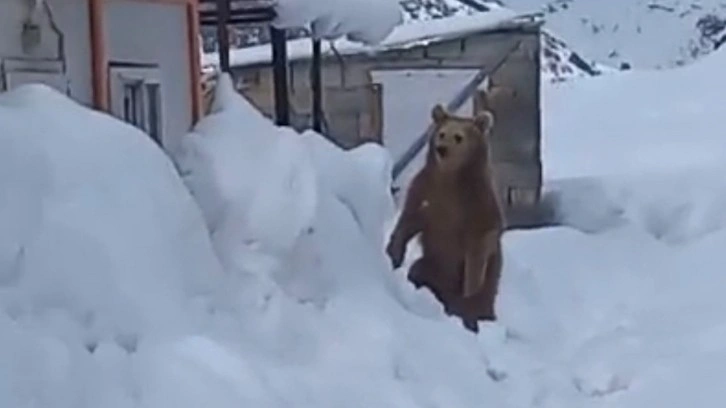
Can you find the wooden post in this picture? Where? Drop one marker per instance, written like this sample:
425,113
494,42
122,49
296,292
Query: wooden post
223,35
317,87
279,67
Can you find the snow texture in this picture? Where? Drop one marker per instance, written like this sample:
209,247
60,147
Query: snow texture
102,250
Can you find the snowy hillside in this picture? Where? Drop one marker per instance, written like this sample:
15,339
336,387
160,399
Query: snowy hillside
616,33
639,33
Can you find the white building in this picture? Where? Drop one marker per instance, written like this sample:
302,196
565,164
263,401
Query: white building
137,59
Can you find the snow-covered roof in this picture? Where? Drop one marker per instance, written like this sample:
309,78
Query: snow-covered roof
402,36
366,21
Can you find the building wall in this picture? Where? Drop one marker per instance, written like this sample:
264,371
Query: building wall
130,44
44,62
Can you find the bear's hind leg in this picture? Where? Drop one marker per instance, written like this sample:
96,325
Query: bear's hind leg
420,272
425,273
471,324
491,285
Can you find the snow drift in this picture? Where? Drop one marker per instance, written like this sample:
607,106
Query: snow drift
659,150
332,301
101,248
117,291
633,290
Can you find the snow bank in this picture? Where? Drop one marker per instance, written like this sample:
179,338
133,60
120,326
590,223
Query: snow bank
659,153
102,248
366,21
111,294
331,301
259,214
632,295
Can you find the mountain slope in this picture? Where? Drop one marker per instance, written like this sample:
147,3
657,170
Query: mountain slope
638,33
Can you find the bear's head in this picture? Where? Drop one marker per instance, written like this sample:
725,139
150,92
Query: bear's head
459,141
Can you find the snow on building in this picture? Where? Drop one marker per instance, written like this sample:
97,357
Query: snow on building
137,59
383,92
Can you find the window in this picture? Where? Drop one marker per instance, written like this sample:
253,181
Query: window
137,99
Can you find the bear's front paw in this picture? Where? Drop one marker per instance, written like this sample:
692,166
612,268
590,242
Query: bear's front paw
396,253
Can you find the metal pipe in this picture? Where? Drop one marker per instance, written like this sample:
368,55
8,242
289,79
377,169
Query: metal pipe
223,35
279,67
317,86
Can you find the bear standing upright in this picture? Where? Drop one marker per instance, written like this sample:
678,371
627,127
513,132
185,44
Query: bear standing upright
452,202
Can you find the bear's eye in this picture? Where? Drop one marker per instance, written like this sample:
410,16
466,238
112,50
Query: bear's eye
441,135
458,138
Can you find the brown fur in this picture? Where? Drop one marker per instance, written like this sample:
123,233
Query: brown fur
452,203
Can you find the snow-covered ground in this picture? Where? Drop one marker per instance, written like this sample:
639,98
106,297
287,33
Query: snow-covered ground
264,283
629,286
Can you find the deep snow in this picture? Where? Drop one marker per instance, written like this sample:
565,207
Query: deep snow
116,290
101,248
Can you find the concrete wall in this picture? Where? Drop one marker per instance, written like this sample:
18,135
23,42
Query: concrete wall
131,43
44,62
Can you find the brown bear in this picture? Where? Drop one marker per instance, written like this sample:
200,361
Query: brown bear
452,203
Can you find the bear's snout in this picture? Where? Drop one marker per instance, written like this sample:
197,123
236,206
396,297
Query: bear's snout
441,151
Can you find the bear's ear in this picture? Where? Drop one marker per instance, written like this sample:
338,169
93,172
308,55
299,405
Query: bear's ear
438,114
484,120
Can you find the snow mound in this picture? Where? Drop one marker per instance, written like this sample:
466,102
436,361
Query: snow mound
673,207
102,248
366,21
331,301
260,214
